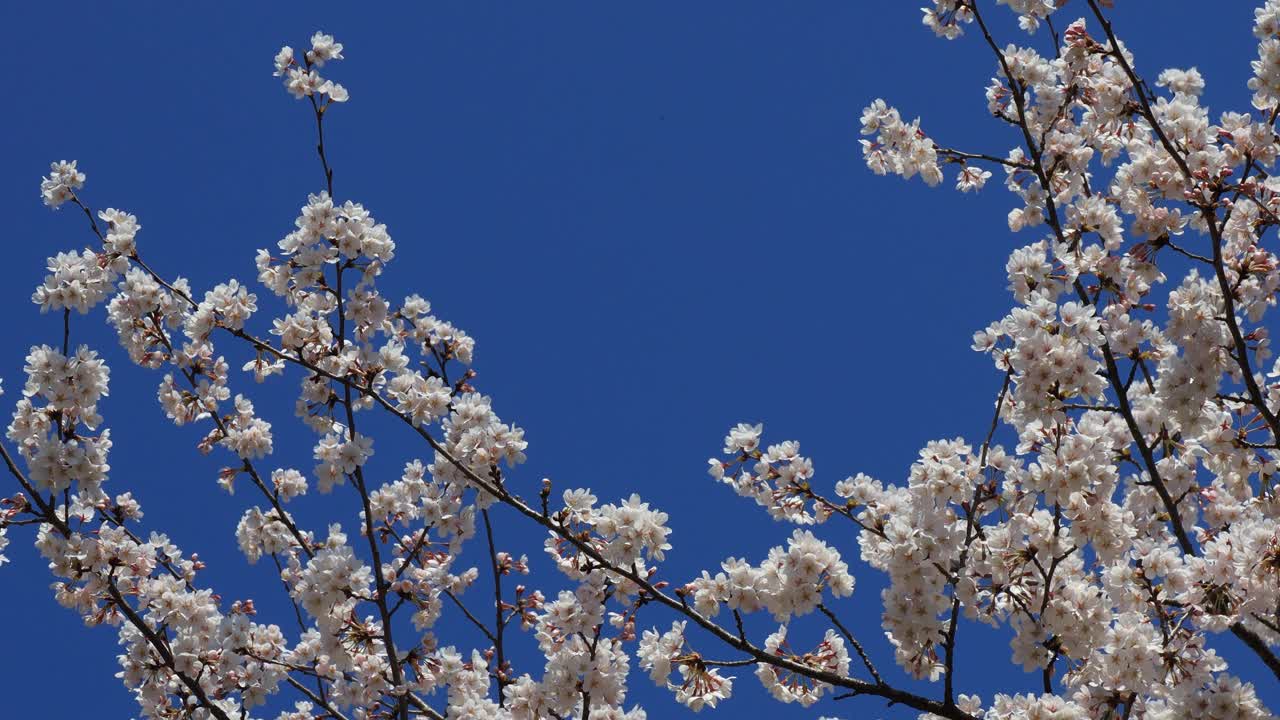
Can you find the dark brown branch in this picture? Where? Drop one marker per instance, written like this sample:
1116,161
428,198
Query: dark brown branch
862,654
499,625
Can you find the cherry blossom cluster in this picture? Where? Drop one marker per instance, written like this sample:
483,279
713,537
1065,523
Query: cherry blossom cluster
623,535
53,425
900,148
1134,519
701,685
789,583
302,79
829,657
777,480
176,641
61,183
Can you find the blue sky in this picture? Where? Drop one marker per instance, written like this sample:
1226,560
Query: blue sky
654,219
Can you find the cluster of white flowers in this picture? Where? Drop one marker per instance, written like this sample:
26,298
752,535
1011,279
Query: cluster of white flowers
53,423
1223,698
1031,12
892,541
829,657
1265,82
790,582
172,634
1135,516
1031,707
61,183
945,18
778,480
262,533
288,483
478,439
701,685
624,535
577,666
246,434
302,80
339,457
228,305
424,399
143,314
900,148
331,582
120,242
75,281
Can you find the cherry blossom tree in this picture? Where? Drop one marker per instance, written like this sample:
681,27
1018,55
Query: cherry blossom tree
1128,531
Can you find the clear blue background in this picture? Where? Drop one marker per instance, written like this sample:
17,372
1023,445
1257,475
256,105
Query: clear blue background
654,218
